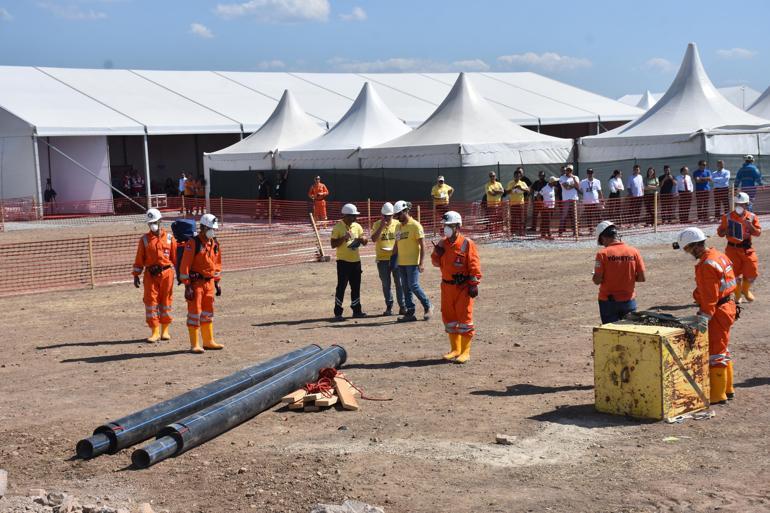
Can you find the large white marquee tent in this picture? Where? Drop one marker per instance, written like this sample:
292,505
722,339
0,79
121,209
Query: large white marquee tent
761,107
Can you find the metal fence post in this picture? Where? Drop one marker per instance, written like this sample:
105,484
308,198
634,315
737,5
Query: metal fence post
418,214
575,217
91,261
184,211
731,200
656,203
221,210
369,213
434,220
269,211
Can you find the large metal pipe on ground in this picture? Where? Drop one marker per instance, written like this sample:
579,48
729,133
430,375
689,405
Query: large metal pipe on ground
139,426
206,424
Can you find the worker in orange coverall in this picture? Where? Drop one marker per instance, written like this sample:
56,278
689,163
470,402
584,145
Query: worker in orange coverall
714,286
156,256
318,193
200,272
458,259
738,227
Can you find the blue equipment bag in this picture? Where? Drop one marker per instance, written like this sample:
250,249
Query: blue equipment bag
183,230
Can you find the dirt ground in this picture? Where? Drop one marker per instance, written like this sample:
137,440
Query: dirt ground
72,360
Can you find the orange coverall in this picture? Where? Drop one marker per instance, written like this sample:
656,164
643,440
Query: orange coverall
738,231
201,270
460,257
318,193
159,253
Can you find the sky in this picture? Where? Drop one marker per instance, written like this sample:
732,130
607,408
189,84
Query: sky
609,47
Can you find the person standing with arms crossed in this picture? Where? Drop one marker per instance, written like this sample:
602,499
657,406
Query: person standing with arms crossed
347,237
458,259
517,190
592,197
441,193
739,226
537,204
684,188
721,181
702,177
569,197
384,237
615,201
617,269
410,253
493,191
714,287
748,177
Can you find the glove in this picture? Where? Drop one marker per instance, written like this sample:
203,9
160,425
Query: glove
439,249
137,281
188,293
219,289
473,290
702,323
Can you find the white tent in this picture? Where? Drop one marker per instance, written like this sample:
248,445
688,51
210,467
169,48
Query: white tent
368,122
761,107
646,101
741,96
465,130
678,124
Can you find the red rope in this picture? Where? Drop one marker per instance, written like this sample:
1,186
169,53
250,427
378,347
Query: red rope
325,385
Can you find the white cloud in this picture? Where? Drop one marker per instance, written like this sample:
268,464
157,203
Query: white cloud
660,64
357,14
471,65
201,31
5,15
400,64
271,64
276,11
71,11
548,61
736,53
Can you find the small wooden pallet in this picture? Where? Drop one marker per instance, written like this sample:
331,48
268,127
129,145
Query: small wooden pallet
343,393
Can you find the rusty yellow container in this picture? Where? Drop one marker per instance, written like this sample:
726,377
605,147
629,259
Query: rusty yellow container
649,372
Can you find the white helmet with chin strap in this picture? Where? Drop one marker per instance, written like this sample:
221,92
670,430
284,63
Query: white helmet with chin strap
742,199
153,215
210,221
689,236
400,206
452,217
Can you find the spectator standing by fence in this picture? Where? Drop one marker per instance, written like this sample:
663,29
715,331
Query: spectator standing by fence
616,191
49,197
537,203
591,189
721,182
384,237
702,178
493,194
137,184
441,193
635,195
127,183
651,186
667,195
516,189
685,190
547,196
569,196
318,193
181,183
748,177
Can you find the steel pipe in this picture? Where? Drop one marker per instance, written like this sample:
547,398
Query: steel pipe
139,426
206,424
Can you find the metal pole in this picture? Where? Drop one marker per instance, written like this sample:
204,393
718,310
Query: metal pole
269,210
369,213
731,200
434,218
38,185
91,261
147,168
418,214
221,210
575,217
655,212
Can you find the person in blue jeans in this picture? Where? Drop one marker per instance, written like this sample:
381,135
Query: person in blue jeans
703,180
384,237
410,252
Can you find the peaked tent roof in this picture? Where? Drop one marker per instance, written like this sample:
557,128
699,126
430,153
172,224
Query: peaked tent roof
646,101
690,106
287,126
368,122
761,107
741,96
465,130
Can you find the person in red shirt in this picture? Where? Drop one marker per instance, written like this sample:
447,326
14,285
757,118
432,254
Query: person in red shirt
617,270
200,272
739,226
714,286
156,256
458,259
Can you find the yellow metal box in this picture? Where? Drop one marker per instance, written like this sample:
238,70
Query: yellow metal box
649,372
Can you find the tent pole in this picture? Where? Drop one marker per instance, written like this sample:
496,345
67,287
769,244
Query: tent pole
38,185
207,179
147,168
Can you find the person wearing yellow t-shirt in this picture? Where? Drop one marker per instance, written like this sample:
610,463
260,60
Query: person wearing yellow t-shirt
441,192
516,190
494,195
410,252
384,237
347,237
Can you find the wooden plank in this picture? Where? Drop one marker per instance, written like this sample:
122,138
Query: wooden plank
345,393
296,406
295,396
327,401
311,398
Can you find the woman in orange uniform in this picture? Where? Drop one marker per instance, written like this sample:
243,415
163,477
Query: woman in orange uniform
739,226
458,259
200,272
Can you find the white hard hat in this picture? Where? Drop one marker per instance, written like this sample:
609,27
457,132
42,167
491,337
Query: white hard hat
742,198
748,157
210,220
400,206
452,217
569,166
387,209
440,178
601,227
153,215
349,209
689,236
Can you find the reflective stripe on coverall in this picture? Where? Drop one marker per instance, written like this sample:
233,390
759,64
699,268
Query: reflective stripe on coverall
745,261
460,257
158,250
318,193
207,264
714,280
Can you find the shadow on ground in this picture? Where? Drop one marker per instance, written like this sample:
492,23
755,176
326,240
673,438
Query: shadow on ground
397,365
586,416
753,382
124,356
527,389
93,344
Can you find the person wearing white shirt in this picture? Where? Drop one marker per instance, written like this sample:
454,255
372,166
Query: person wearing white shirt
615,200
592,197
636,195
547,195
684,188
721,183
569,196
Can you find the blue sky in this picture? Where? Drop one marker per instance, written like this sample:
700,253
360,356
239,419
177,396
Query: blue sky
610,47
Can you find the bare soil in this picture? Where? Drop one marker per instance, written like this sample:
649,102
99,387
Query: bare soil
72,360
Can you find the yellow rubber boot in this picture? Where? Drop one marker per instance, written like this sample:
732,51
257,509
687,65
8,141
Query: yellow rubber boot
729,389
207,330
454,342
747,291
738,290
195,345
164,334
155,336
465,346
718,378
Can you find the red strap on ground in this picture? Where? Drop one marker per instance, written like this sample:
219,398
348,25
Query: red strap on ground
325,385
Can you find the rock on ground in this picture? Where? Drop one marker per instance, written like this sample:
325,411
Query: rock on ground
347,507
